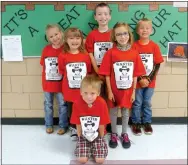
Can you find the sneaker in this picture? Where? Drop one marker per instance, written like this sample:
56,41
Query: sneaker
61,131
147,128
113,140
125,140
136,129
49,130
73,134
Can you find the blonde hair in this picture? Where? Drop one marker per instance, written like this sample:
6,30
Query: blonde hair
120,24
142,20
50,26
73,32
93,81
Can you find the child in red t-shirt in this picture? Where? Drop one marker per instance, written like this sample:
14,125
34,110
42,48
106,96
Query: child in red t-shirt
151,58
90,114
74,65
121,65
52,79
98,41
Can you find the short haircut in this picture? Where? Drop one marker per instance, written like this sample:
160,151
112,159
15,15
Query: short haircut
73,32
142,20
120,24
49,26
102,5
93,81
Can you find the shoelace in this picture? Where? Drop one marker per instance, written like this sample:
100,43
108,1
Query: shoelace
114,138
126,138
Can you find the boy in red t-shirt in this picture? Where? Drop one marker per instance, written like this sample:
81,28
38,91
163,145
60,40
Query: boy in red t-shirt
121,65
98,41
52,79
90,114
151,58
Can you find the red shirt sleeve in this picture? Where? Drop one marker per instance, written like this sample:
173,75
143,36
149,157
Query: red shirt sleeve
105,68
157,55
75,119
89,44
42,57
104,119
139,69
61,63
88,64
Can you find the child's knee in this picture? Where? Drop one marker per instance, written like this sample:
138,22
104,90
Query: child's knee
83,160
100,160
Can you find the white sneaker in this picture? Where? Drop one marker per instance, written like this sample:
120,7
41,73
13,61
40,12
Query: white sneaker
73,134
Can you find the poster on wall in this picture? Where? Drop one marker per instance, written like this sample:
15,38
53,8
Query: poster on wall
12,48
177,52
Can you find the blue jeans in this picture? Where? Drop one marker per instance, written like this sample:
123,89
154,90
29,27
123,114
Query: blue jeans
48,108
142,104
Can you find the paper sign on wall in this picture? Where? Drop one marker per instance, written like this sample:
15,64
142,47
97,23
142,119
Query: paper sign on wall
12,48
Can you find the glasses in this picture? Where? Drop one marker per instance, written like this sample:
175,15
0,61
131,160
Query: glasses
122,34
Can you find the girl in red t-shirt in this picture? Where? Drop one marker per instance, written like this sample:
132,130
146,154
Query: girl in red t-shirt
52,79
74,65
121,65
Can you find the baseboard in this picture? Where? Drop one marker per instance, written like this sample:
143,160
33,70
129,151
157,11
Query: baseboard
40,121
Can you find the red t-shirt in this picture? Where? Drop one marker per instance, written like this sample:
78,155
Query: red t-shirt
73,67
51,78
98,43
98,109
150,55
122,66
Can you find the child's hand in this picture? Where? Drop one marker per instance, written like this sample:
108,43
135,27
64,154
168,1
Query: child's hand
144,82
111,96
133,96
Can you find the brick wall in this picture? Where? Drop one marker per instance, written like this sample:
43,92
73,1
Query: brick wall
22,94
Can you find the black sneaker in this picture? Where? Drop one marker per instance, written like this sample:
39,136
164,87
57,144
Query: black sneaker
125,140
113,140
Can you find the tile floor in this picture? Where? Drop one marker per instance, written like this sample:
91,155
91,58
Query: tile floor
26,144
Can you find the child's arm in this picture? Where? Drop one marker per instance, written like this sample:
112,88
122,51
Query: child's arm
93,62
79,130
101,130
134,88
109,89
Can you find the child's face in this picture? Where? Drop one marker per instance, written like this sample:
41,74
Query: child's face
122,35
74,42
102,15
144,30
89,94
54,36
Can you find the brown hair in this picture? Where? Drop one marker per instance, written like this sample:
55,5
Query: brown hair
119,24
73,32
93,81
142,20
102,5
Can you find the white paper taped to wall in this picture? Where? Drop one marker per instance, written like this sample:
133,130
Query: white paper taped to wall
12,48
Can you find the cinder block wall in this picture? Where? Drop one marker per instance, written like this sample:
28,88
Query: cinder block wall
22,95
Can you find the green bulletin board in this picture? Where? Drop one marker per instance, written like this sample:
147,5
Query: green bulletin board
169,25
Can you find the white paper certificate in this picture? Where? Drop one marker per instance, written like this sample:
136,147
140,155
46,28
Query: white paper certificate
12,48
